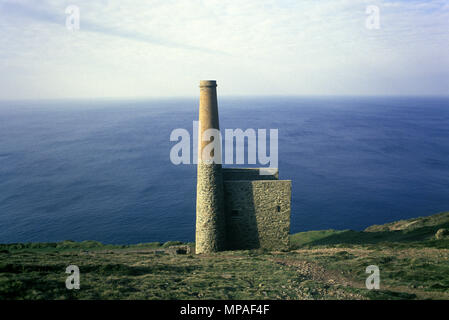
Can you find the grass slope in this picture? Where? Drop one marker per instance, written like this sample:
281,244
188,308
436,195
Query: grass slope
412,232
326,264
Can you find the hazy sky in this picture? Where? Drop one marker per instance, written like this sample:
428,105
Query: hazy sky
163,48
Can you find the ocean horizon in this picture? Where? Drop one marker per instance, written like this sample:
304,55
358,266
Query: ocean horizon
100,169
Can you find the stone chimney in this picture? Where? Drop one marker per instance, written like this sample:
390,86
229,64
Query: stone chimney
210,218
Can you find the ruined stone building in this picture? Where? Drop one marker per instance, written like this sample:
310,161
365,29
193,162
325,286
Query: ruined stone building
236,208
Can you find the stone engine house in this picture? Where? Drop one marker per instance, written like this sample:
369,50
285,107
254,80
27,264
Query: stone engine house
236,208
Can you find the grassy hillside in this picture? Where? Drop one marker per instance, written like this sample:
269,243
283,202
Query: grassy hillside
326,264
413,232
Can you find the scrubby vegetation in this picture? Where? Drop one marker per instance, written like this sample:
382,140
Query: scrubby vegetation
330,264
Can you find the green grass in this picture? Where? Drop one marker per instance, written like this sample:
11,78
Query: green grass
440,219
301,239
328,264
412,232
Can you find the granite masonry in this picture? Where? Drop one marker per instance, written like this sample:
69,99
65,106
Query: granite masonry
236,208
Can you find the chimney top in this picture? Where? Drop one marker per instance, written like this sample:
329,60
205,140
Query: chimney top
208,83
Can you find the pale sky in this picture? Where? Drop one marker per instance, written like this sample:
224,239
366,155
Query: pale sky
254,47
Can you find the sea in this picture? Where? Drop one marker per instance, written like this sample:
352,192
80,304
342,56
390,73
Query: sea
101,169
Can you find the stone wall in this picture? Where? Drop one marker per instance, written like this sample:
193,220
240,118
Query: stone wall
257,214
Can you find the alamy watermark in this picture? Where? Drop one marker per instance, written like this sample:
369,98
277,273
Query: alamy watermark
373,281
181,153
373,20
72,21
72,281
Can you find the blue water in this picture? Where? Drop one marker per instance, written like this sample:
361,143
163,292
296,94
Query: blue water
101,171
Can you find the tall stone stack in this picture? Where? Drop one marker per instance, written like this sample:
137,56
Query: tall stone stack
236,208
210,218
